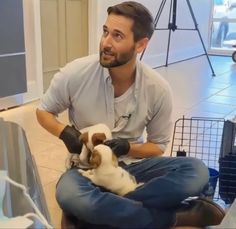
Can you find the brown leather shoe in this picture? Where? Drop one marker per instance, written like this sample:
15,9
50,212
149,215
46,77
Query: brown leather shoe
199,212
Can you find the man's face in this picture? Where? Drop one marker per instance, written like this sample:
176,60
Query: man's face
117,46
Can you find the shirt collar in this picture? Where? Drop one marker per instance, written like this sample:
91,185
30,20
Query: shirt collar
106,74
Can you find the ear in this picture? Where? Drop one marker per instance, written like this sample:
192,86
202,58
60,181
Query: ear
141,44
98,138
84,137
95,159
114,160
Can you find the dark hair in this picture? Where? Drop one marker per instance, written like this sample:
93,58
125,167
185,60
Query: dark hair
143,21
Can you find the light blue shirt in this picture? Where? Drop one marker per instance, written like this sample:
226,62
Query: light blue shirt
85,88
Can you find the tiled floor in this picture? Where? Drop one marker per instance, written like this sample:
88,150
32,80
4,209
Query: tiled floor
196,93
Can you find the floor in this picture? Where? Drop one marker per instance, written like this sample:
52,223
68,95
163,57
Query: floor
196,93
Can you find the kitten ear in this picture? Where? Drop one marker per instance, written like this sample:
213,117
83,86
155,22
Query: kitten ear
114,160
95,159
98,138
84,137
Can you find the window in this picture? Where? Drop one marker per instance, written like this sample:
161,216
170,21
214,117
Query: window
223,34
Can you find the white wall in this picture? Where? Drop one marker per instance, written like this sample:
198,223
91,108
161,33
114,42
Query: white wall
184,44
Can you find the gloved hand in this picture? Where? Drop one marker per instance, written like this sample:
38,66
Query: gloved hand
70,137
119,146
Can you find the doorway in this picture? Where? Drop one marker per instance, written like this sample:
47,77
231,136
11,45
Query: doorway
223,34
64,31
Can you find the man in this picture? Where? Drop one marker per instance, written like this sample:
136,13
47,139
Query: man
120,91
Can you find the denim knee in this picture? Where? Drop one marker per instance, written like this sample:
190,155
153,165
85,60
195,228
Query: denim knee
198,173
72,203
70,191
64,197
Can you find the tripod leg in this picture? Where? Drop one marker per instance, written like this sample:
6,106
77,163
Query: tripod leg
170,24
199,34
168,47
159,12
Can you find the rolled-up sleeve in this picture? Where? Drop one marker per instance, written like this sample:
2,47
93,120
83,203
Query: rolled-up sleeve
56,99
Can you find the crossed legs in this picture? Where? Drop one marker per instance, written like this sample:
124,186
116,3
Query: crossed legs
168,181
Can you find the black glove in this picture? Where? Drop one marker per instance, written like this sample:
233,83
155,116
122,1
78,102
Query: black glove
70,137
119,146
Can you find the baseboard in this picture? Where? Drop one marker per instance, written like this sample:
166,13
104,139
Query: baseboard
33,93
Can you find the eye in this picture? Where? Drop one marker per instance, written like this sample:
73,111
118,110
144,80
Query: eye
117,36
105,33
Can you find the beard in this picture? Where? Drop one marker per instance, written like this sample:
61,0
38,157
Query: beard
109,59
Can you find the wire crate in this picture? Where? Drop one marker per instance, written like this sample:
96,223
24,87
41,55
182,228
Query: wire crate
201,138
198,137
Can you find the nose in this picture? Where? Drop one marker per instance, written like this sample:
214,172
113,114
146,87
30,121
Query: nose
107,41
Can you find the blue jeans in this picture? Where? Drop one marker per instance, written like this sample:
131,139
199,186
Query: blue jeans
168,181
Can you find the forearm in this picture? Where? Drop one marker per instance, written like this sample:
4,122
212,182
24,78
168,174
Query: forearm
49,122
144,150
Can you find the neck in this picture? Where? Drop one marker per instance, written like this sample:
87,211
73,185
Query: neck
123,73
123,77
